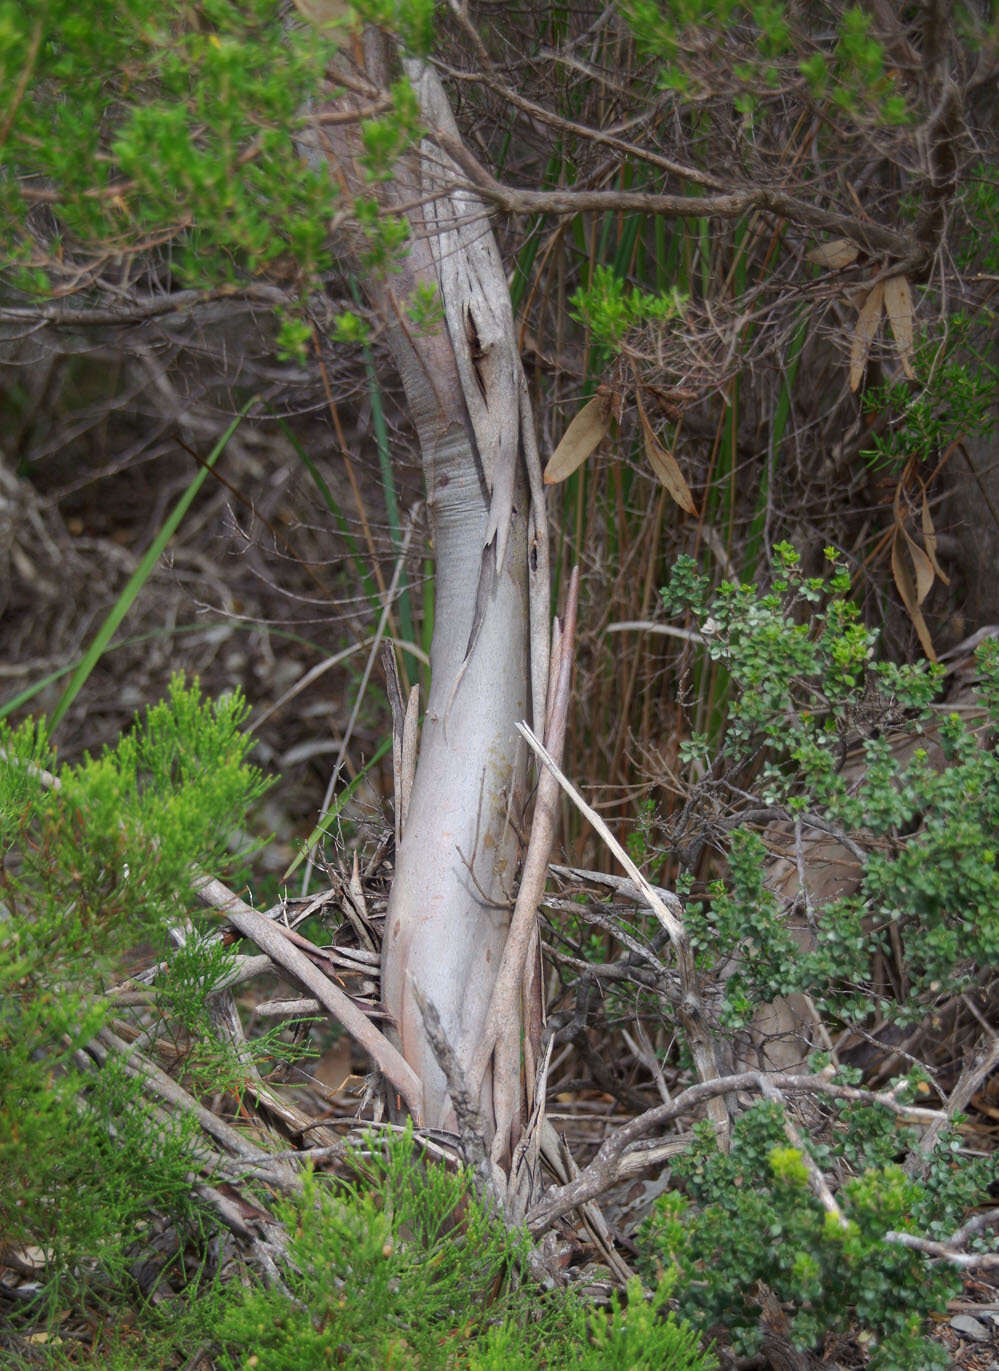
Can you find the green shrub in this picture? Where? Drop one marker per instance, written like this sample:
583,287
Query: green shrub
99,858
750,1221
406,1268
920,820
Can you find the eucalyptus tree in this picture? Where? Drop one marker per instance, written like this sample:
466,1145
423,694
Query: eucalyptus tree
170,159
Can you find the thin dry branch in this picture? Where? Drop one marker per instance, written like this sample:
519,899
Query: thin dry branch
271,940
733,204
139,309
690,1010
611,1160
987,1261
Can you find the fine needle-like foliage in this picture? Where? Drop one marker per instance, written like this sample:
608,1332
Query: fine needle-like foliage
405,1268
98,860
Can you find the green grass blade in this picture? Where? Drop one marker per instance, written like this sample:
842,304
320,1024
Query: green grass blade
326,495
141,574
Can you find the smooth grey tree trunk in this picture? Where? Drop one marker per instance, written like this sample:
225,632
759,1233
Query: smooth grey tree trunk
457,864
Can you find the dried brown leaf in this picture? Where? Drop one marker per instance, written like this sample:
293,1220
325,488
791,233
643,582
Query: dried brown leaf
584,434
930,539
868,323
923,565
921,560
907,590
841,252
900,311
664,464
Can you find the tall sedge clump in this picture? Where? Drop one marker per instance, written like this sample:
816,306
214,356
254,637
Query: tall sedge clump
98,858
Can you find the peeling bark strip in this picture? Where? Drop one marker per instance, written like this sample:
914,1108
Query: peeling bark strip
479,316
456,869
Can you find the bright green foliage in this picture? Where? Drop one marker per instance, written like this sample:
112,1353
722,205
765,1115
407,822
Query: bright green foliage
978,246
639,1335
141,118
855,80
425,310
665,32
412,21
84,1166
951,401
139,123
406,1269
806,691
609,309
760,44
751,1218
385,139
97,859
105,855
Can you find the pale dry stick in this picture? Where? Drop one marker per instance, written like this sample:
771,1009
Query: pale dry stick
504,1003
620,885
286,1009
973,1226
944,1252
690,1011
400,562
985,1061
410,733
271,940
357,1141
614,1158
820,1187
649,626
394,691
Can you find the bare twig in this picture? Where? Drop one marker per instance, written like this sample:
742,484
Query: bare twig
987,1261
726,205
138,311
504,1004
690,1011
269,939
606,1167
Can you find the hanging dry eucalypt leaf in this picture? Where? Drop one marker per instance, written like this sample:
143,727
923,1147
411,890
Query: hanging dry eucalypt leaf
583,436
900,311
909,590
839,253
913,589
664,464
930,538
868,323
